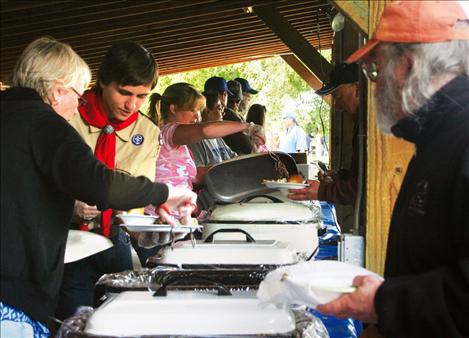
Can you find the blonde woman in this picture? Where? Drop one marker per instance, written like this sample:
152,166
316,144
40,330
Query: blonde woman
46,166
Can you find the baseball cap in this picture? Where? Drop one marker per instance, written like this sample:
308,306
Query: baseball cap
245,86
235,91
216,83
341,74
289,115
416,22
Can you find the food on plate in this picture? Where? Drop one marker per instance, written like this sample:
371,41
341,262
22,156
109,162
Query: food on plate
137,211
296,178
192,222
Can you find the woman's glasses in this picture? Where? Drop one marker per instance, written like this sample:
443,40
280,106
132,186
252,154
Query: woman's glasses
81,101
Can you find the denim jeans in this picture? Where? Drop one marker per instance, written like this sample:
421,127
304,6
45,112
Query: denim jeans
81,276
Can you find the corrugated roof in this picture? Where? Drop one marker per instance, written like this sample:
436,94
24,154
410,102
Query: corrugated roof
182,35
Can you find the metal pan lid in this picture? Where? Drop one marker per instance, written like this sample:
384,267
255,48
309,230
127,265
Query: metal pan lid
262,212
241,177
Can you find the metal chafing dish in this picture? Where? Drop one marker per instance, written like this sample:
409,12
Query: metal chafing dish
235,264
240,200
191,314
292,223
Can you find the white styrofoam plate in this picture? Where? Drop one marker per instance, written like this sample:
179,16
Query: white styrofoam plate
281,185
81,244
310,283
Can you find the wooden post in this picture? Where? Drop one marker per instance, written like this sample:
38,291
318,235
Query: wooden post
387,156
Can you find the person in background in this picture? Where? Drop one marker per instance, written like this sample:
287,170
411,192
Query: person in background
293,140
217,85
239,142
125,140
181,104
256,114
248,91
421,74
208,152
46,166
338,187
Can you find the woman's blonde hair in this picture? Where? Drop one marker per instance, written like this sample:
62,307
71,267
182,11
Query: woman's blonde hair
181,94
46,60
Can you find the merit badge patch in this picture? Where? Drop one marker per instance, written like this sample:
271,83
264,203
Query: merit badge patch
137,139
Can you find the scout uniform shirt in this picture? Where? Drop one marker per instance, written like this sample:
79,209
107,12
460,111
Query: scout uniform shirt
137,146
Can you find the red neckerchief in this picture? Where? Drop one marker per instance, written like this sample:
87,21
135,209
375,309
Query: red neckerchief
94,115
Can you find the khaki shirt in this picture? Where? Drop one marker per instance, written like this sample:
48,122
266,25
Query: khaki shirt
137,146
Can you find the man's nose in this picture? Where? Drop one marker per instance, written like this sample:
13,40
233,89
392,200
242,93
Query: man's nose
131,104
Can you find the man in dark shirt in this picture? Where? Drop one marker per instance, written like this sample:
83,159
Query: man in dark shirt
338,187
239,142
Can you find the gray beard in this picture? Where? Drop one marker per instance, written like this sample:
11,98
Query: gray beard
242,107
388,103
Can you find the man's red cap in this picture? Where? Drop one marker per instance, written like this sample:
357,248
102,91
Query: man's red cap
417,22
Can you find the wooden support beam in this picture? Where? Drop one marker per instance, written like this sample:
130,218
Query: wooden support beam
357,11
305,52
310,78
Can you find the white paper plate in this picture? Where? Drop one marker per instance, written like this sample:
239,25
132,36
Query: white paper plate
310,283
81,244
137,219
280,185
160,228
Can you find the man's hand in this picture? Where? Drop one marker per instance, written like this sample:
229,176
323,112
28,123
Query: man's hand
358,305
85,211
308,193
329,176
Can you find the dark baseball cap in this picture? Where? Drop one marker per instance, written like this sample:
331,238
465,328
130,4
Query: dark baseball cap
341,74
245,86
216,83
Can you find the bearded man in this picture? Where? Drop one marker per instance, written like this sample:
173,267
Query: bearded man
418,58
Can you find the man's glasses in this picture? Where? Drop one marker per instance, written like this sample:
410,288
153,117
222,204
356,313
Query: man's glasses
370,70
81,101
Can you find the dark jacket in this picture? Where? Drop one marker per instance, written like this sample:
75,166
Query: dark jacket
240,143
45,166
343,190
426,288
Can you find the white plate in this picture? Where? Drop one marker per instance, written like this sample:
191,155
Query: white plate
137,219
160,228
310,283
81,244
337,289
280,185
